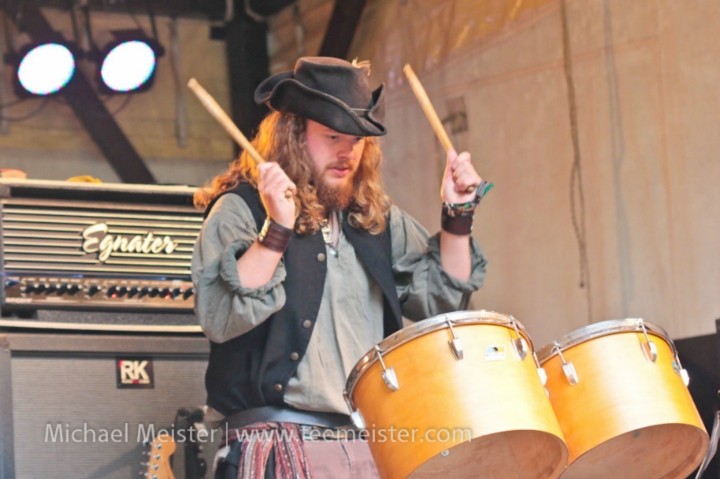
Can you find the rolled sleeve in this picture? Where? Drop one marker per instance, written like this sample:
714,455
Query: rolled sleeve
425,289
224,307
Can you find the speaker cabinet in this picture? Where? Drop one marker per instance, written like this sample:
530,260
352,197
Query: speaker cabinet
79,406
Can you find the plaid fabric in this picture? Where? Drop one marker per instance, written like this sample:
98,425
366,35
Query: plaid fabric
259,439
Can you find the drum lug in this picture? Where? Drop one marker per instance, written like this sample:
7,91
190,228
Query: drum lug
355,415
648,347
543,376
388,374
519,343
455,344
677,367
457,349
567,366
650,351
570,373
357,419
540,370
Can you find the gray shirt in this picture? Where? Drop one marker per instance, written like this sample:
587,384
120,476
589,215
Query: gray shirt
349,322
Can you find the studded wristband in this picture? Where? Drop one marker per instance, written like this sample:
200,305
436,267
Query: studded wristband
458,223
274,236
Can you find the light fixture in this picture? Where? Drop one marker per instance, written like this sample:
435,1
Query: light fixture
46,68
42,67
128,63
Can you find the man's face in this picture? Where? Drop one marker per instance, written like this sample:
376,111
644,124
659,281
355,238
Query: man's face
336,157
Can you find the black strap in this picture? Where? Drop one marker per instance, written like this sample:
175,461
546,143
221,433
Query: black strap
287,414
251,196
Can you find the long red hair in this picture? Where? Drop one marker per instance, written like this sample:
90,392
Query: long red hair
281,138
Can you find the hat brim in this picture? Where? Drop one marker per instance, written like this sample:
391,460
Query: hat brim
283,93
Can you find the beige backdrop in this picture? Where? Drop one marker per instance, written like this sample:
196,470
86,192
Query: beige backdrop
647,87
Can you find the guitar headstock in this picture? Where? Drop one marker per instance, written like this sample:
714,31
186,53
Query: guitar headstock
158,465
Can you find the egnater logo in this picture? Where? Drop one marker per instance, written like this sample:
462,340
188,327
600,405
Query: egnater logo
97,240
135,373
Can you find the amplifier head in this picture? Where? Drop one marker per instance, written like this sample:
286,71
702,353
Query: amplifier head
101,247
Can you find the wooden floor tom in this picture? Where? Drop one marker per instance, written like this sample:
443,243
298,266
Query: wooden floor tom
620,394
457,396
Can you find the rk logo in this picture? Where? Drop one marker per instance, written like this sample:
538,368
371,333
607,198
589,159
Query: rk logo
134,372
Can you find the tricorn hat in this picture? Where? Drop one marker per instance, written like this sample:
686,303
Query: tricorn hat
330,91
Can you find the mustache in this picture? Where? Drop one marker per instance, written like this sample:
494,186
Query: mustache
341,164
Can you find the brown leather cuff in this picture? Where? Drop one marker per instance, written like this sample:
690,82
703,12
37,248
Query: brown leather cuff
274,236
460,224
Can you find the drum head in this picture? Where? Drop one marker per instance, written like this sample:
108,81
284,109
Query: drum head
668,451
505,455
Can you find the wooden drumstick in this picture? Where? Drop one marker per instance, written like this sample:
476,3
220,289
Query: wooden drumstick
430,113
219,114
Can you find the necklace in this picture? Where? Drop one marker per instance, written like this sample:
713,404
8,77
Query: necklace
328,237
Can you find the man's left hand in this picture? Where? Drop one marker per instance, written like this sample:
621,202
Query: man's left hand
459,177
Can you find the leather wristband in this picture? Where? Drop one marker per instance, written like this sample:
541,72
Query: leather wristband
459,224
274,236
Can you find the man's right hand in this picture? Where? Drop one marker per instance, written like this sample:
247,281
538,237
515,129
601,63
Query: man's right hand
272,185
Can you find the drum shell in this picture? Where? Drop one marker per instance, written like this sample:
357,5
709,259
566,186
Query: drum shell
620,391
439,392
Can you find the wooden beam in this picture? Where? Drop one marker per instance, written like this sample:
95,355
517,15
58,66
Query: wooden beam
248,65
341,29
89,109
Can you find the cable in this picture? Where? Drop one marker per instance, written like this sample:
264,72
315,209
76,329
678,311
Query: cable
125,103
576,172
13,103
32,113
132,15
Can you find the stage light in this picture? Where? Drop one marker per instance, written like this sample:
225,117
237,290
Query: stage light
129,65
44,69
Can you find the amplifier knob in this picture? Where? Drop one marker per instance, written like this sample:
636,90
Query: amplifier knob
51,288
166,293
28,288
112,292
122,290
40,287
188,292
10,283
62,289
133,291
176,292
143,291
154,292
73,288
93,289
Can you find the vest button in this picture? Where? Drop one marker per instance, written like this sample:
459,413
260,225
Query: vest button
321,257
278,387
294,356
307,323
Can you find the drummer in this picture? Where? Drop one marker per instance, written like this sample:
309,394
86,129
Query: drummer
303,265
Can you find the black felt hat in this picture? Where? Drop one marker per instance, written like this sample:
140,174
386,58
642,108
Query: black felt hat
330,91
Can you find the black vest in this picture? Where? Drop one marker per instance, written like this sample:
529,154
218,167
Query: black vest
253,369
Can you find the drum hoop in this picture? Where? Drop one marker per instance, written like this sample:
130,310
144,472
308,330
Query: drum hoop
603,328
427,326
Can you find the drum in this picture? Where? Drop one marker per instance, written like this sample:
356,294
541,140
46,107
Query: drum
620,395
457,396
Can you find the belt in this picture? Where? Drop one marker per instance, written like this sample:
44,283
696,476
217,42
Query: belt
286,414
348,433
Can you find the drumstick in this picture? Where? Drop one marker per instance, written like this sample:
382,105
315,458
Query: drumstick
427,107
219,114
430,113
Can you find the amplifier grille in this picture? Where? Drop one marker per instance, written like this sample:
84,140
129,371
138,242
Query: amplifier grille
98,239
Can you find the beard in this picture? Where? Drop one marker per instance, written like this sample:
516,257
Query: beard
334,198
